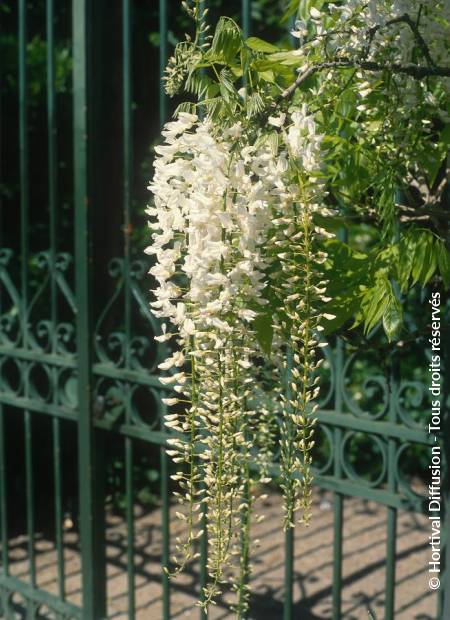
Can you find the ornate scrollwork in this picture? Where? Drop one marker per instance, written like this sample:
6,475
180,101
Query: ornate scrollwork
10,319
409,400
12,372
323,454
33,326
412,487
364,388
327,374
358,452
146,406
67,387
112,347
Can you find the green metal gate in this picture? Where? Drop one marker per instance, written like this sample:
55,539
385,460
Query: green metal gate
71,359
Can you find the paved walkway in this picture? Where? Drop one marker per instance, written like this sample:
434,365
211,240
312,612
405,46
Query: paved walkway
363,567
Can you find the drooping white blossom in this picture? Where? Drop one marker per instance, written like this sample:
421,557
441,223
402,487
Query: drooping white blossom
226,208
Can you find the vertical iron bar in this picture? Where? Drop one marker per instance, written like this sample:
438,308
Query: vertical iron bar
391,543
52,165
203,560
57,474
165,516
52,198
24,201
391,512
29,495
3,503
92,531
288,573
129,498
165,513
162,59
246,17
338,498
391,536
289,534
127,183
23,165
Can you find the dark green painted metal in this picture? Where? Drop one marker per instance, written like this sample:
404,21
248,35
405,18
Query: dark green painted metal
203,559
162,58
289,533
53,230
129,498
12,584
29,495
338,498
57,475
246,17
24,205
84,21
52,162
374,427
23,166
391,511
288,573
3,495
24,354
32,405
165,532
127,182
127,164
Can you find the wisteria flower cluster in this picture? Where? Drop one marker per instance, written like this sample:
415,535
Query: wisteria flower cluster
232,226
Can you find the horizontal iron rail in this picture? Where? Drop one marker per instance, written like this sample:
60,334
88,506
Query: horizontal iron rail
41,597
69,361
124,374
160,438
21,402
374,427
34,355
343,420
345,486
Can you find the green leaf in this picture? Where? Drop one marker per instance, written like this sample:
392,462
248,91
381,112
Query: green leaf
443,259
258,45
267,76
420,251
432,160
434,155
392,316
264,332
227,40
404,261
429,265
347,272
255,104
290,11
375,303
227,89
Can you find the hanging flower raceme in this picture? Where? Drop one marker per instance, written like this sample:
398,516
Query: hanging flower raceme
233,228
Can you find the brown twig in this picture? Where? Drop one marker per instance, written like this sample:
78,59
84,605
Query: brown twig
403,19
417,72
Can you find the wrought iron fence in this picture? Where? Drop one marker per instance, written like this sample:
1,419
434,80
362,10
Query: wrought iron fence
80,354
